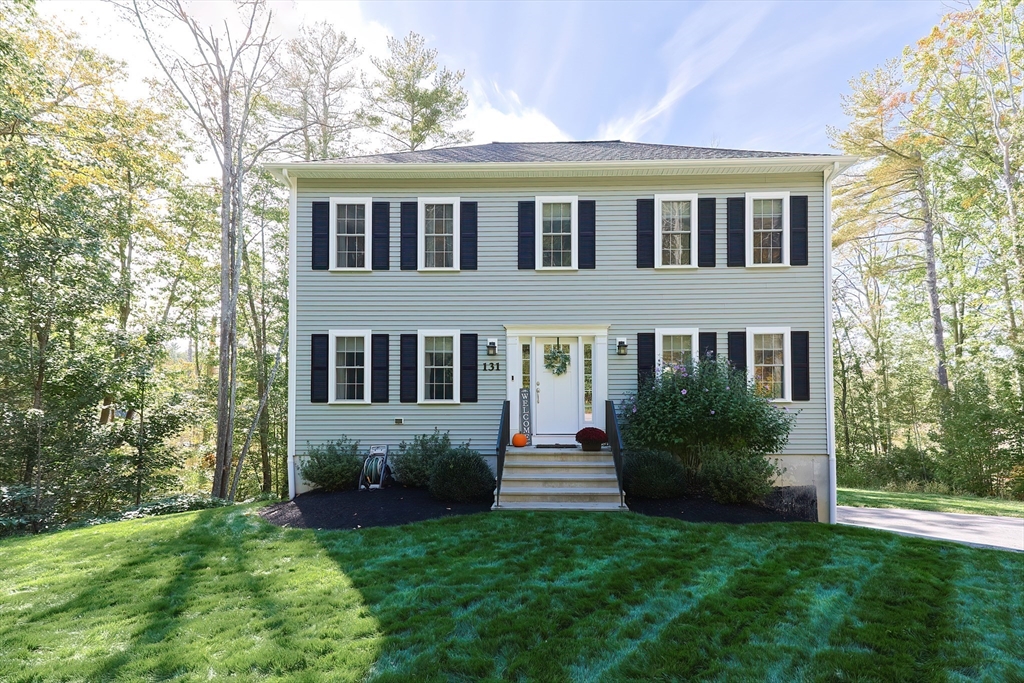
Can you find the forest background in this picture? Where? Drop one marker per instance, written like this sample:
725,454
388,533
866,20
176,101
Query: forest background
143,314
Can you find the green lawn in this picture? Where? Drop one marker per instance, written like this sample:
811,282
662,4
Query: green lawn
516,596
936,502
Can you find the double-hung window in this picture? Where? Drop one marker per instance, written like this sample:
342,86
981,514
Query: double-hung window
675,230
769,361
350,233
438,233
557,233
438,366
349,354
675,346
767,229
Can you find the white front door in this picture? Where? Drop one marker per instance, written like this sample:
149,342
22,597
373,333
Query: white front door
556,397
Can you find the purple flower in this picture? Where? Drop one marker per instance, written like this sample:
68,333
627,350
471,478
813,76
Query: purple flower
634,409
785,408
712,412
705,390
683,392
727,387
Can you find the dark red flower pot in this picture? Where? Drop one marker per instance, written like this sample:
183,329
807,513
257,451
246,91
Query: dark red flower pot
591,445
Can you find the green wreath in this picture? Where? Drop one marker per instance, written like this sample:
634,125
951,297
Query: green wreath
557,360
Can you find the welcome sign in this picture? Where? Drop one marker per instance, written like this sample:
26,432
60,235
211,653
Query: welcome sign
525,419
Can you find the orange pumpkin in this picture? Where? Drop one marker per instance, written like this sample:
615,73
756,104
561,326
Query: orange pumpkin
519,440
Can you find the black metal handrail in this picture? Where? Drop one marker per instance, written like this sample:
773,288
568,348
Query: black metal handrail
611,424
504,436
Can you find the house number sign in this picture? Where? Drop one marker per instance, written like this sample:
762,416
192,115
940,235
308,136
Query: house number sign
491,366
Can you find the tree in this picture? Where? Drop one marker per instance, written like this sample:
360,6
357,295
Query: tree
413,104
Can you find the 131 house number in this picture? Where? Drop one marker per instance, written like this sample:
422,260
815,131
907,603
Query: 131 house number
488,366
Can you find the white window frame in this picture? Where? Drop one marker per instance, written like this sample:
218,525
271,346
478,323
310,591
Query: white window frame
421,233
332,351
749,228
368,260
658,199
421,350
787,361
538,231
661,332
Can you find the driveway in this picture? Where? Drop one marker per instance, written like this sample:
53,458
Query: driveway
978,530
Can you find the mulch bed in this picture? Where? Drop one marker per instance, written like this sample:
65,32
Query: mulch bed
400,505
360,509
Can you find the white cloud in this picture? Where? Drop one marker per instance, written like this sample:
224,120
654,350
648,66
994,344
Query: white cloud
495,115
707,40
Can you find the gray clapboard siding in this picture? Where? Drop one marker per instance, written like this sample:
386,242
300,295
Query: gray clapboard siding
617,293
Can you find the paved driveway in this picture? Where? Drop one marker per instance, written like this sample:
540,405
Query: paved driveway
983,530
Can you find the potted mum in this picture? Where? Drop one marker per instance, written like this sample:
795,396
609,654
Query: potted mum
591,438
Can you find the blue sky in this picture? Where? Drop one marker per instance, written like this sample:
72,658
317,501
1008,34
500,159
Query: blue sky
753,75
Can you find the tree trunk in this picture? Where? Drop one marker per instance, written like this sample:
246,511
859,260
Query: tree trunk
931,283
225,441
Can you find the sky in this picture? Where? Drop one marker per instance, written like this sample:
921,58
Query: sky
746,75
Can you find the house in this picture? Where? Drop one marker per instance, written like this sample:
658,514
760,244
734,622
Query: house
427,286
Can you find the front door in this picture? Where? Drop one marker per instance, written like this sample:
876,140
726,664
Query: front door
556,397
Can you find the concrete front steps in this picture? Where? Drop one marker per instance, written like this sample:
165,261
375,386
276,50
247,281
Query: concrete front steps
558,479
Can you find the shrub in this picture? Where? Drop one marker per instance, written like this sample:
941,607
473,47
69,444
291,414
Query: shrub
412,462
736,476
652,474
461,475
690,407
174,504
333,466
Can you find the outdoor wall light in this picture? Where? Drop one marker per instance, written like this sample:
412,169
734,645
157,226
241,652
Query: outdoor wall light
620,346
492,347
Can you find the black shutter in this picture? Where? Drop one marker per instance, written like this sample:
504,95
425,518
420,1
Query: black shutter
801,346
706,232
798,231
408,237
381,235
738,350
645,233
407,369
588,234
527,230
379,368
644,356
321,246
736,231
318,373
467,232
467,368
708,346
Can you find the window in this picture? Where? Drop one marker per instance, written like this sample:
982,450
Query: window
349,363
438,228
767,218
768,354
675,346
557,239
439,366
526,366
588,382
675,233
350,233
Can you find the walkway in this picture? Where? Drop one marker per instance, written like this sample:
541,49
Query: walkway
979,530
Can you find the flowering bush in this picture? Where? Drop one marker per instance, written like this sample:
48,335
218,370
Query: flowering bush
687,407
591,434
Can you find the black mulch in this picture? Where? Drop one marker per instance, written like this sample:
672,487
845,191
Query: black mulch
365,508
699,509
400,505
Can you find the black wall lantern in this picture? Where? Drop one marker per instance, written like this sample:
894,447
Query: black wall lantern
492,347
620,346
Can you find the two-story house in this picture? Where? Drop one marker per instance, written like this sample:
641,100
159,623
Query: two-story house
426,288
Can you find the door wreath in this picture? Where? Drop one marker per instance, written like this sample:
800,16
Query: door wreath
557,359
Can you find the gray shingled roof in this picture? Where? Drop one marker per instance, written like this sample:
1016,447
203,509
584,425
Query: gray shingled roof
591,150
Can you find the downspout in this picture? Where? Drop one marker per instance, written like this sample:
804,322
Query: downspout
292,335
830,399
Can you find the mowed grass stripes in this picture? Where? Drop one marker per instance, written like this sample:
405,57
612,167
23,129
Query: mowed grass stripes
522,596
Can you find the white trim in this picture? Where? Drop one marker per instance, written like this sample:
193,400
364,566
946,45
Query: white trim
830,400
555,330
658,199
421,203
660,332
332,366
420,362
787,360
538,231
367,202
749,228
293,204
